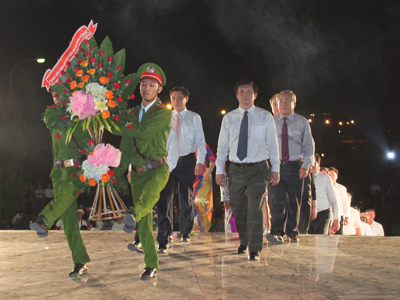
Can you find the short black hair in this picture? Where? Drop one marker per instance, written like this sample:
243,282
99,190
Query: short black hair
324,169
317,158
246,82
334,169
182,89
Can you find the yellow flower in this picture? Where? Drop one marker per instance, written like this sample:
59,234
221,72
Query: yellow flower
81,85
109,95
112,104
85,78
104,80
91,71
84,63
79,73
72,85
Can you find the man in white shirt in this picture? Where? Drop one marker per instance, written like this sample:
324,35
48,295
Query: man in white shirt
118,225
353,226
326,199
81,222
343,203
248,136
376,228
48,193
296,148
365,227
190,136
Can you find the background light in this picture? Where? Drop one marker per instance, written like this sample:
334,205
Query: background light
40,60
223,112
390,155
309,120
327,121
169,106
340,123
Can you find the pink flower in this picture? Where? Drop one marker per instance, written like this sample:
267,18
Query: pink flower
83,105
105,154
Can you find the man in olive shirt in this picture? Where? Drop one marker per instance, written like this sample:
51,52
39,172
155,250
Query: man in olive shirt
66,187
144,146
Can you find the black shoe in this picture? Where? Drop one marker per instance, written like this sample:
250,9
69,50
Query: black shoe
136,246
171,238
130,223
79,269
293,239
185,238
275,239
162,248
148,273
241,249
254,256
40,227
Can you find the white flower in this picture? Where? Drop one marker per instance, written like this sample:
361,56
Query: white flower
101,104
98,91
90,171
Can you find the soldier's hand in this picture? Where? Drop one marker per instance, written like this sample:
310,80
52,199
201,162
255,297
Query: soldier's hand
198,170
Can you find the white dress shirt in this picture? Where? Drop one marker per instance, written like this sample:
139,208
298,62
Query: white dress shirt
377,229
365,229
262,140
339,201
354,222
342,191
145,108
301,142
326,197
173,150
118,226
191,135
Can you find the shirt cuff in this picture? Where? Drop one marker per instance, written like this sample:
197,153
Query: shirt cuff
275,168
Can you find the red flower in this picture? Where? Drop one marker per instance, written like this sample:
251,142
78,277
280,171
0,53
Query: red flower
79,61
62,73
92,59
57,136
119,99
79,192
80,48
76,164
64,102
110,58
68,64
63,117
115,180
101,52
119,68
87,53
83,151
56,96
109,75
54,106
86,42
68,80
99,66
65,91
132,96
110,172
90,48
116,118
90,142
77,55
76,69
128,81
74,175
60,82
116,85
130,126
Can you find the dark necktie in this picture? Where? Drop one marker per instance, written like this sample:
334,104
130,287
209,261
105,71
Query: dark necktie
285,141
243,136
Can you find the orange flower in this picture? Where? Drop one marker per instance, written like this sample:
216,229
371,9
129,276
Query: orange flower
82,178
92,182
104,80
105,114
105,177
84,63
112,104
81,85
91,71
109,95
91,153
85,78
79,73
72,85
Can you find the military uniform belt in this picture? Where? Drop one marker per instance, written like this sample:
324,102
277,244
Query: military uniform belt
66,163
149,166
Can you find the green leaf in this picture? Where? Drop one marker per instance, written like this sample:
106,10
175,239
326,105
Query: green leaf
126,90
107,48
118,60
114,125
70,131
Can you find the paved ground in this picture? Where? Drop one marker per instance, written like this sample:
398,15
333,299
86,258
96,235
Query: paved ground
319,267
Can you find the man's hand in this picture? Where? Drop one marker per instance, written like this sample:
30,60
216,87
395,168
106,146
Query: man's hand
220,179
227,204
207,173
313,210
303,173
275,177
346,221
198,170
335,226
129,176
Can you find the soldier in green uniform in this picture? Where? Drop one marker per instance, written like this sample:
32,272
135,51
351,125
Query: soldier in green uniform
66,187
144,146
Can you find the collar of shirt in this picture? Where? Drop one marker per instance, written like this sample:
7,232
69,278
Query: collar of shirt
146,108
290,117
183,112
250,110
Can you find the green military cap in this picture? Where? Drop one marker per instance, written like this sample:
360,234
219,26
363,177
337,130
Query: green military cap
151,70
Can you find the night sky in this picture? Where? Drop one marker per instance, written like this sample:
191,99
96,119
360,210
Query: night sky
340,57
